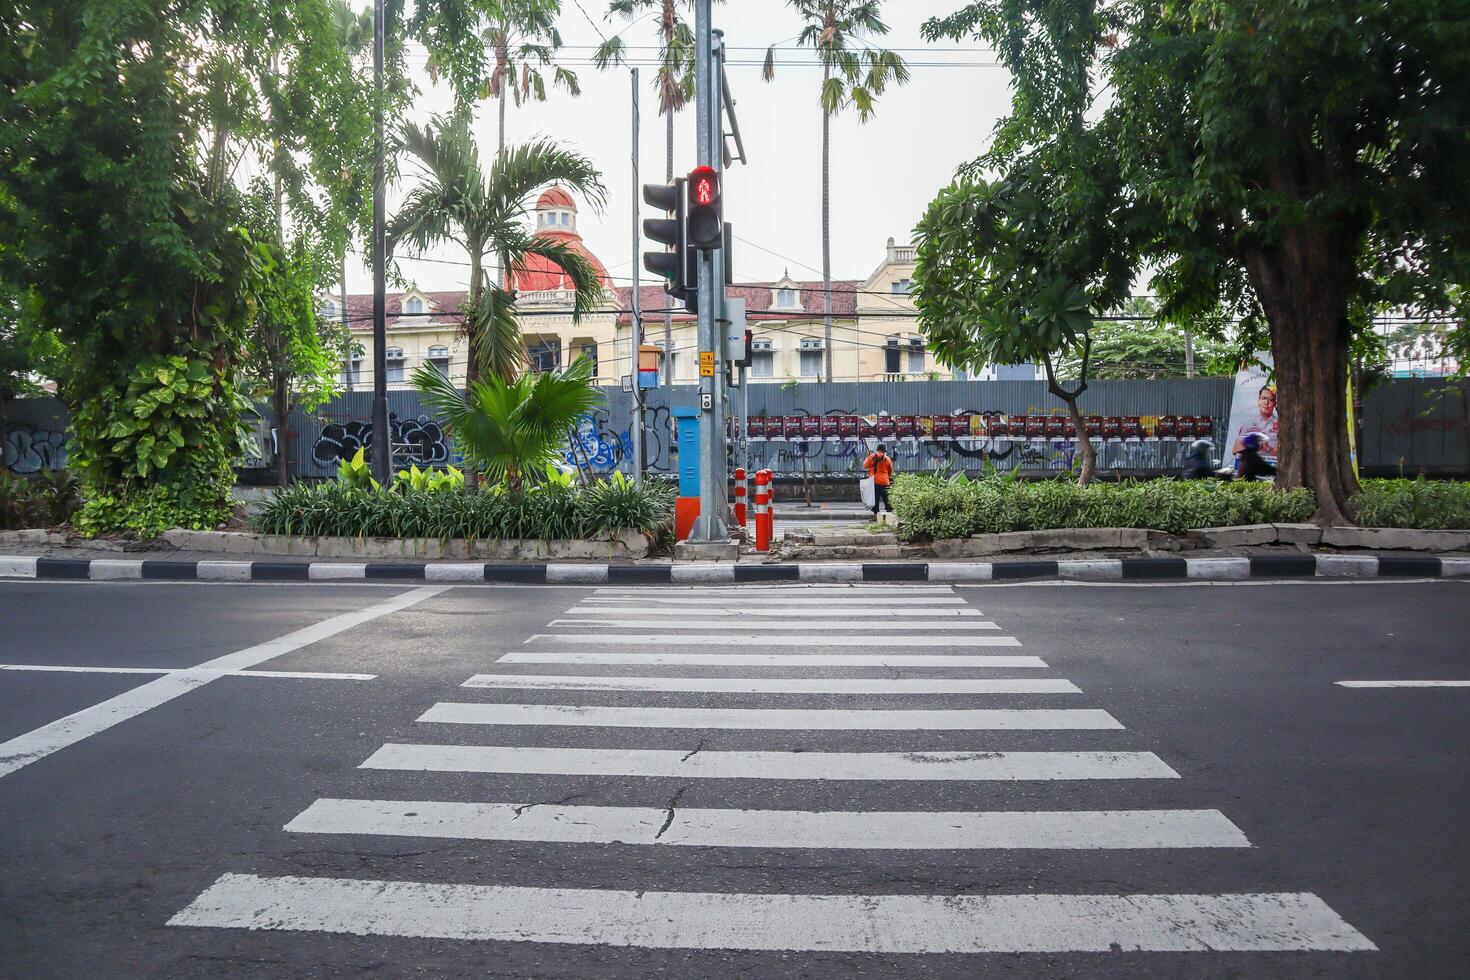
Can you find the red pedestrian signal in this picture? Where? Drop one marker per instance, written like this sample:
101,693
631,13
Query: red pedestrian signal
706,227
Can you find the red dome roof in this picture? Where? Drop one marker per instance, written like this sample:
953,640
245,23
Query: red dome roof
538,272
555,197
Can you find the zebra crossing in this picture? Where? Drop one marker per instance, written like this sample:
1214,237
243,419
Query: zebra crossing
831,654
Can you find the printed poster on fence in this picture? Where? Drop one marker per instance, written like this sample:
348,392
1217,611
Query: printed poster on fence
1253,408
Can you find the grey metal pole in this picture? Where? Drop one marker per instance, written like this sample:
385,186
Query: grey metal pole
711,523
635,332
716,100
382,436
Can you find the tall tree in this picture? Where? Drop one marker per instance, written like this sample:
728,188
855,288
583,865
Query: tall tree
487,212
854,74
1301,162
523,40
675,82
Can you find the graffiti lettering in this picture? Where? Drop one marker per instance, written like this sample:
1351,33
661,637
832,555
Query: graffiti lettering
28,449
421,441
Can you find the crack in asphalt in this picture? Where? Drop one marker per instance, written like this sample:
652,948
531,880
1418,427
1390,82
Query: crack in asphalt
669,810
561,802
693,750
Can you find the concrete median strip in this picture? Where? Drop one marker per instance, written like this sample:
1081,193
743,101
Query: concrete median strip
747,578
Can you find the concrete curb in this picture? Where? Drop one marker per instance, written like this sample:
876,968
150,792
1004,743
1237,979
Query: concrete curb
553,573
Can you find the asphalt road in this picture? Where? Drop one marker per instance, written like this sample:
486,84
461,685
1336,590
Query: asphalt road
1166,781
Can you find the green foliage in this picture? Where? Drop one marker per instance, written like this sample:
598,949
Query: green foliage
1150,349
675,74
1425,504
510,430
547,511
44,502
415,480
485,212
933,509
357,473
854,71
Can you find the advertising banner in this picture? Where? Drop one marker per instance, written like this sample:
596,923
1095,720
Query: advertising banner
1253,408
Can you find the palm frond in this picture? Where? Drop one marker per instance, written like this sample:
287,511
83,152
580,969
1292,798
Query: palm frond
495,334
524,169
585,280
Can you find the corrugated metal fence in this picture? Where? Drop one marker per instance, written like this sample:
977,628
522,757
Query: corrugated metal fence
1407,425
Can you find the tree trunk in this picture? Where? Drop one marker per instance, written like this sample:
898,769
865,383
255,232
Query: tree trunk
668,305
472,359
826,238
346,325
1303,282
281,403
1084,444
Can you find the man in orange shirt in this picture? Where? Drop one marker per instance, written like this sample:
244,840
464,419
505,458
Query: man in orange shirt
880,468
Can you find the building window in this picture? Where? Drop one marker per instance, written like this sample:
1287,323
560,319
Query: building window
352,371
544,355
439,359
786,299
762,359
394,358
413,306
916,355
329,309
892,361
902,287
589,351
811,357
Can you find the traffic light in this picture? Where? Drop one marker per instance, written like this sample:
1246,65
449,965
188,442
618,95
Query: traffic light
706,228
675,262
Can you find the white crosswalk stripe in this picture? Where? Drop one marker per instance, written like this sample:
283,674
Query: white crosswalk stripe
693,764
871,639
722,920
850,830
775,628
753,719
775,685
770,659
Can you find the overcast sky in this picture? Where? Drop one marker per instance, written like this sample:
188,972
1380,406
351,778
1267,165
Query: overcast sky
884,172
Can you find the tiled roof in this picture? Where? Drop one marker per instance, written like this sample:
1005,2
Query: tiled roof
443,307
760,300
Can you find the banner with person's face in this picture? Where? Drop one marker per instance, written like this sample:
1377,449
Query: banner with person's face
1253,408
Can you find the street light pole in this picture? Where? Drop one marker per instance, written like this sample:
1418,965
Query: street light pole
635,332
382,437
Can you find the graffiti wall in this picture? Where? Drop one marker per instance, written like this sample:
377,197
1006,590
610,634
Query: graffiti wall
34,437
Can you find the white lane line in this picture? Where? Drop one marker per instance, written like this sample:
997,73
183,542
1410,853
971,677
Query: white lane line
1403,683
784,600
688,827
37,744
310,675
784,624
923,766
790,719
773,685
924,612
732,920
792,589
886,640
771,659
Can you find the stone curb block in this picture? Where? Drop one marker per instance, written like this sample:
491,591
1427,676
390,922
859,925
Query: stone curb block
555,573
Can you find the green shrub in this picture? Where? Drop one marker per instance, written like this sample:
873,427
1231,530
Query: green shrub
44,502
930,508
548,511
1424,504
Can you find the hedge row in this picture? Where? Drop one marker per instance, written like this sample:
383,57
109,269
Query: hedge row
549,512
932,508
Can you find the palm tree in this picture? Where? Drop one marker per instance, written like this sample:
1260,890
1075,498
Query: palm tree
854,73
510,429
523,39
486,213
675,81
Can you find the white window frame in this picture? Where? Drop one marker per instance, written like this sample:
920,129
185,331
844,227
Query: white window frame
917,347
762,358
393,364
413,306
810,352
788,299
902,287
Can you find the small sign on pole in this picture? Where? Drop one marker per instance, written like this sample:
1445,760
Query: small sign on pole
706,364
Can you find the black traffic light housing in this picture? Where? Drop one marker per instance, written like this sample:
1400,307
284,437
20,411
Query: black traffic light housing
705,228
675,263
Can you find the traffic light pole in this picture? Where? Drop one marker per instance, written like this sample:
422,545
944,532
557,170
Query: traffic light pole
382,438
635,331
710,526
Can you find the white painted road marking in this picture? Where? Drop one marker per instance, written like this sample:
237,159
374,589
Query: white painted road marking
885,640
738,622
771,659
1403,683
770,765
784,600
792,589
774,685
789,719
726,920
306,675
941,613
690,827
37,744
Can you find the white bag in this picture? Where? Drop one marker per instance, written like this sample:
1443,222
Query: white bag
868,492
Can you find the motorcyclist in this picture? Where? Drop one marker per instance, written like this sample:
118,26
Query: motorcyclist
1199,462
1252,465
